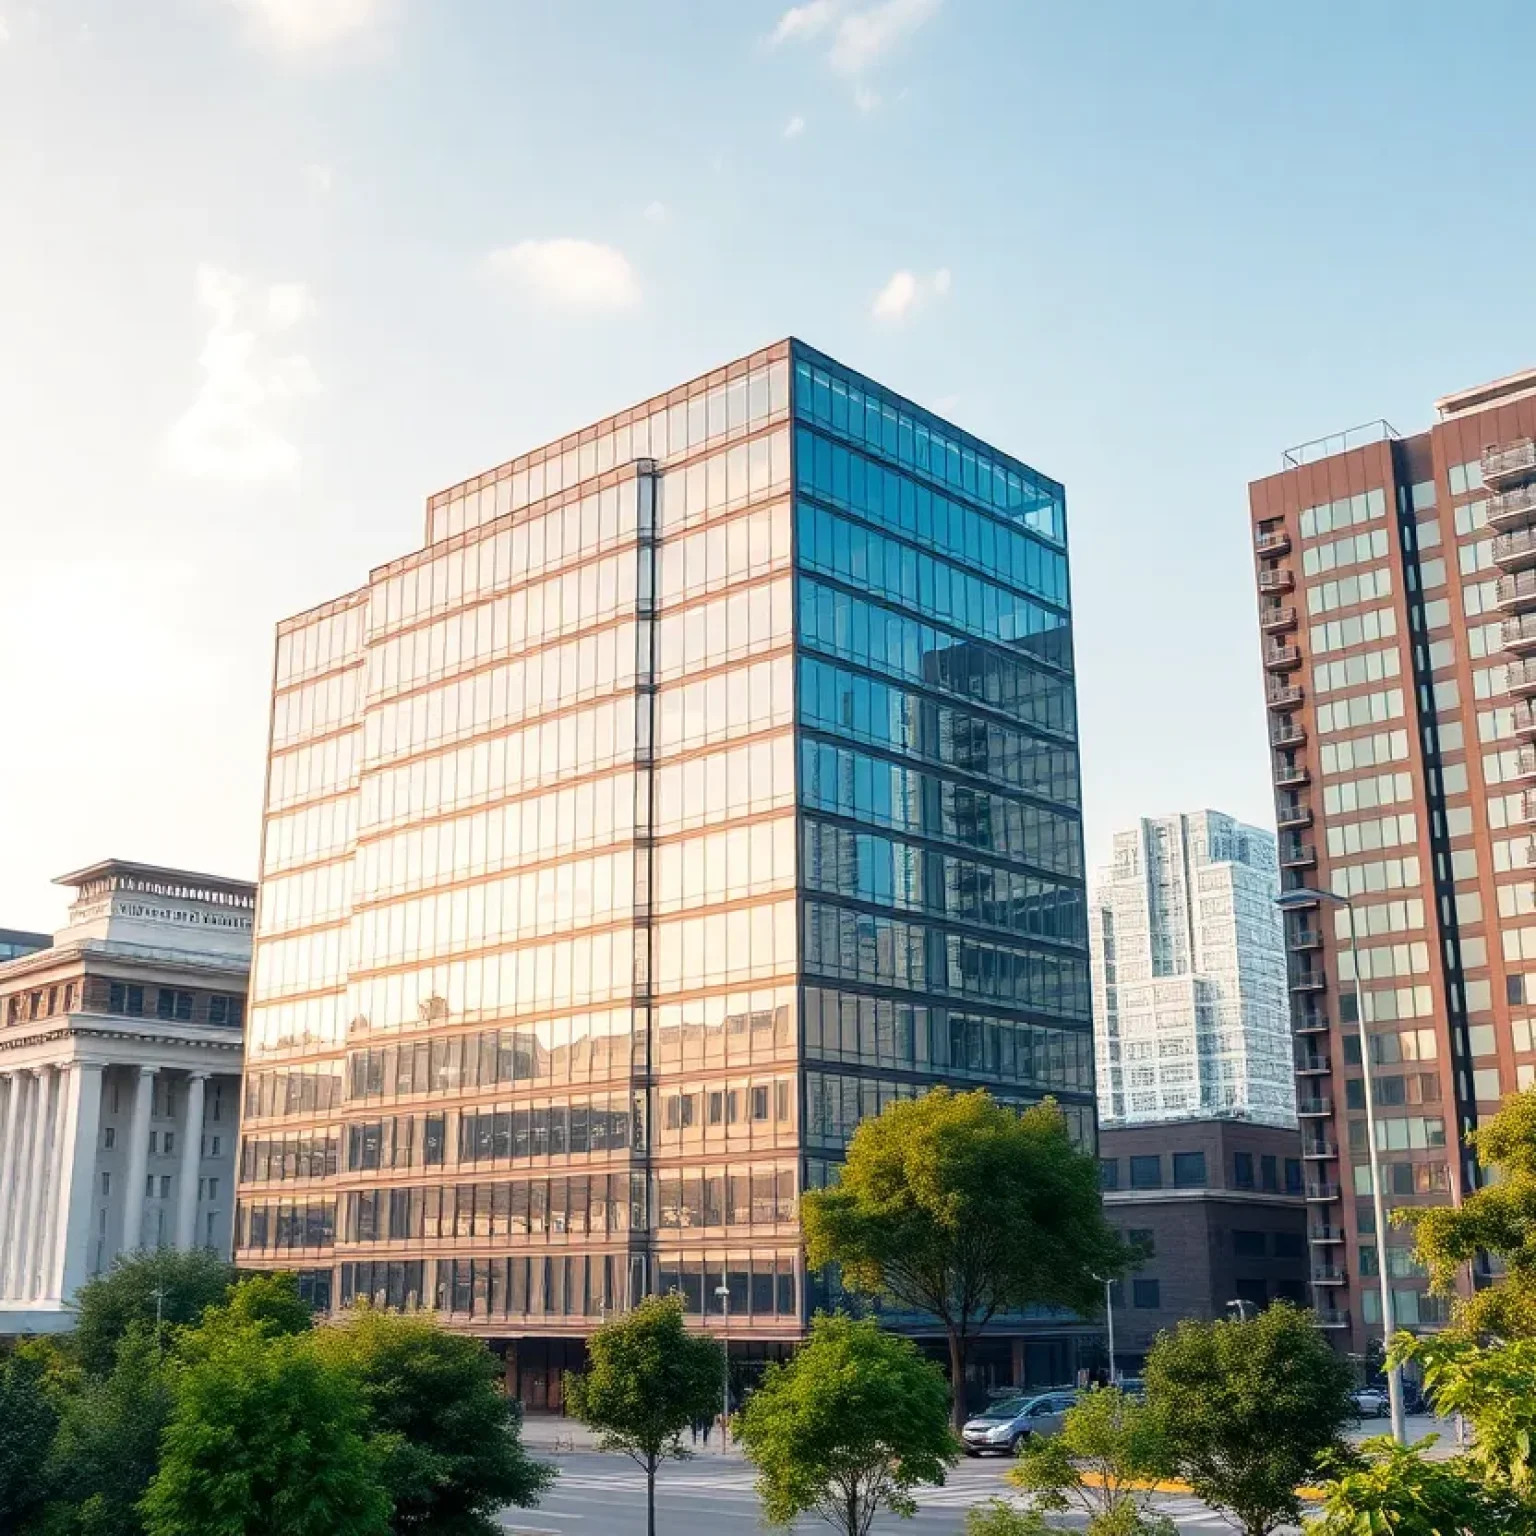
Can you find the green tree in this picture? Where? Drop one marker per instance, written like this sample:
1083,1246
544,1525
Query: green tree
108,1441
187,1283
1396,1490
1109,1449
267,1439
647,1379
1250,1410
850,1426
454,1456
28,1419
1497,1218
956,1206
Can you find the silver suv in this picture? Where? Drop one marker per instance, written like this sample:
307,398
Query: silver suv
1003,1425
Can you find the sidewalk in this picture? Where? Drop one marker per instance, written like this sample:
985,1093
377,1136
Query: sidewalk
551,1434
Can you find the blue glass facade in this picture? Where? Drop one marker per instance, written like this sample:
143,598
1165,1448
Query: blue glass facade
944,936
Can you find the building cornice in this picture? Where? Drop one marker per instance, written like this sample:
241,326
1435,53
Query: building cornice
1228,1196
139,1032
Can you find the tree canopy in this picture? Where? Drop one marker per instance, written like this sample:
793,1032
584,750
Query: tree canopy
453,1457
108,1304
647,1379
1396,1490
955,1205
28,1420
848,1427
1250,1409
1497,1218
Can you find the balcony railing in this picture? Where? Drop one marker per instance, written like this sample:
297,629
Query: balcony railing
1314,1104
1290,775
1326,1234
1309,1021
1308,981
1277,581
1520,676
1331,1317
1519,634
1313,1065
1293,813
1288,733
1517,591
1514,551
1525,763
1524,718
1281,658
1512,509
1509,459
1306,938
1277,616
1327,1274
1284,698
1319,1147
1322,1189
1294,855
1275,542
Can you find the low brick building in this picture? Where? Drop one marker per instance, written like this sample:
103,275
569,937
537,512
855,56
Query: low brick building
1221,1204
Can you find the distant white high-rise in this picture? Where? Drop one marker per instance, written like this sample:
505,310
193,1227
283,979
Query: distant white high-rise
1190,1011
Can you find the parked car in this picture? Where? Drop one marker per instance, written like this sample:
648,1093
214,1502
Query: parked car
1002,1426
1370,1403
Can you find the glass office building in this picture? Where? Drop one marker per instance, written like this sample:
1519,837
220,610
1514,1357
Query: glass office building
707,781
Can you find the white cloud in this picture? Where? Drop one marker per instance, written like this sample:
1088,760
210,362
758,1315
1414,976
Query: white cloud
794,127
579,273
298,26
231,431
906,292
864,35
5,32
655,212
800,22
318,179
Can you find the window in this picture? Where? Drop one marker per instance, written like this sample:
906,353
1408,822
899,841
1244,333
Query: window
1269,1174
109,1137
149,1186
1249,1245
106,1184
1289,1245
154,1142
213,1148
1188,1170
125,999
1242,1170
165,1186
1109,1173
760,1103
1146,1173
224,1010
1146,1294
1145,1239
174,1005
169,1144
1293,1176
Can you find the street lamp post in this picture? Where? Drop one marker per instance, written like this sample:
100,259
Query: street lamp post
724,1293
1109,1325
1286,901
1241,1308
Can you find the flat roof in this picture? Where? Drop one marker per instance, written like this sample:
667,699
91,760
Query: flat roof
159,872
1482,395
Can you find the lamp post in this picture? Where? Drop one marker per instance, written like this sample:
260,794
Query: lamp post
724,1293
1286,901
1241,1308
1109,1325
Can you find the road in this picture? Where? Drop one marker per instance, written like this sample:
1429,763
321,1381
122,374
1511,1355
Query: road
604,1495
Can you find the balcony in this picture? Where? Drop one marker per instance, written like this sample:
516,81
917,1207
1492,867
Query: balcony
1512,509
1319,1149
1309,980
1330,1317
1507,461
1313,1063
1295,812
1326,1234
1525,812
1287,733
1517,593
1282,658
1284,698
1295,855
1515,551
1519,635
1322,1189
1525,719
1314,1105
1309,1021
1292,776
1525,763
1274,617
1328,1274
1305,938
1281,580
1274,541
1520,676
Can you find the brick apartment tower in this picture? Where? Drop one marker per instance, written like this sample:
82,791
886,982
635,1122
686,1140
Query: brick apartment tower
1397,609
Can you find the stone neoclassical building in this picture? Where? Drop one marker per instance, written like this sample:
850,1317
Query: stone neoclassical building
120,1054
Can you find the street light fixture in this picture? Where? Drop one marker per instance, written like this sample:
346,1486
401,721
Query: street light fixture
724,1293
1240,1306
1288,901
1109,1320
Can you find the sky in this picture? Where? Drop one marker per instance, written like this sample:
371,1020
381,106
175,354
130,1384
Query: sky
273,271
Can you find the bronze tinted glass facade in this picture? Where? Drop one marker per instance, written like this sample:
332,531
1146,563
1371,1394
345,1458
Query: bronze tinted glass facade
707,780
1393,588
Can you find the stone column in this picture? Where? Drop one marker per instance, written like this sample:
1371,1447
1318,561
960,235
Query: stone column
138,1161
191,1161
77,1186
11,1154
34,1211
50,1213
